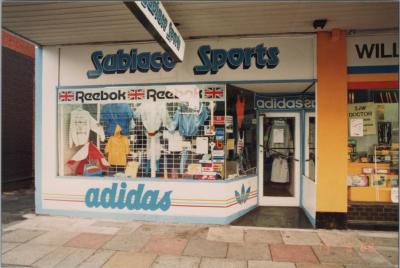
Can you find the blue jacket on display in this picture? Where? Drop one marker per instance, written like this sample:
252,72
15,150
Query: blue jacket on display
116,114
189,122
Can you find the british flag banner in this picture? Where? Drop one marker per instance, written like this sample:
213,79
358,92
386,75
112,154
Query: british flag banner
136,94
214,93
181,93
66,96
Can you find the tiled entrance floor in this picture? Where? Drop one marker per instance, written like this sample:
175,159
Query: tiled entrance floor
282,217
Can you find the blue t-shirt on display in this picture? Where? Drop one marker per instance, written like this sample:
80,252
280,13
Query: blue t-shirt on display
116,114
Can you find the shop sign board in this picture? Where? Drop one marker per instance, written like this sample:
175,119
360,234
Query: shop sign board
373,50
226,60
119,197
121,62
366,112
157,22
288,102
214,59
143,199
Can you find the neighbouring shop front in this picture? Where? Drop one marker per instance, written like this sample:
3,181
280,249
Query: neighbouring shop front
125,132
373,145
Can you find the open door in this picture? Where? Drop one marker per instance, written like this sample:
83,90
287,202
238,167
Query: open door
279,166
308,197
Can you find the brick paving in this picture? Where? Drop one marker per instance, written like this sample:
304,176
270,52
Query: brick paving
53,241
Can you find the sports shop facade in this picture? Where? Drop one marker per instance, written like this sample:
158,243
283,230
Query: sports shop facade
125,132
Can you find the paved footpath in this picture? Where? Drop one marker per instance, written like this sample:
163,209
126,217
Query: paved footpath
50,241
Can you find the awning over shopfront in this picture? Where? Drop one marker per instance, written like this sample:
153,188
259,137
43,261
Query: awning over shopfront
66,23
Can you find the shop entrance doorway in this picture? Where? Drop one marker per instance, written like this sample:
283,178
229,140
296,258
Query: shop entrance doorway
286,161
279,159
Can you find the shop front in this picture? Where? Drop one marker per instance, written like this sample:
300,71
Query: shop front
373,145
123,131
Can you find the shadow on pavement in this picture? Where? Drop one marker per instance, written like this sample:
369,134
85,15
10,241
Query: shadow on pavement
15,204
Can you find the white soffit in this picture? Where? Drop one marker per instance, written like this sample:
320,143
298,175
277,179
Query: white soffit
73,22
58,23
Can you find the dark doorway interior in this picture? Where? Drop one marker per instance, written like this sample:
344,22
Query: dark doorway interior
17,120
283,217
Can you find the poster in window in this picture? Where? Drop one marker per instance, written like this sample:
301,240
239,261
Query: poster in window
356,127
367,112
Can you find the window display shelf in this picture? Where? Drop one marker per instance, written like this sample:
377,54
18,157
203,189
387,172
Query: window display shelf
356,168
370,194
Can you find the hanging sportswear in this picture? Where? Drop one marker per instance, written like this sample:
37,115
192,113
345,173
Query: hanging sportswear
88,154
189,122
153,146
154,115
117,148
240,107
280,170
115,114
80,125
240,144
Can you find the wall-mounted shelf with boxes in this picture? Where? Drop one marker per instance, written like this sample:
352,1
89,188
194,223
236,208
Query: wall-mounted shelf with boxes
374,181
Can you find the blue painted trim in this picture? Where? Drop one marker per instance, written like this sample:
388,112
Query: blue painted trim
302,151
258,156
159,218
310,218
144,180
373,69
193,83
285,110
38,127
299,94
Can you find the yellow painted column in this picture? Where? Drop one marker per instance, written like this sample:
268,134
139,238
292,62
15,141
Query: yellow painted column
331,97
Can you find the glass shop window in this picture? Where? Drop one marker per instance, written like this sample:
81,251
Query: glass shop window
373,145
241,133
169,132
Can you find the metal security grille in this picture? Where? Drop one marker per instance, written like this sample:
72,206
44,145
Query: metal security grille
186,149
171,164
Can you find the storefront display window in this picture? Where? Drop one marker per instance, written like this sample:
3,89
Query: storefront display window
169,132
241,130
373,147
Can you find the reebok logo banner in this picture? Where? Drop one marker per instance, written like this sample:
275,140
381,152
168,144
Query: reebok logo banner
134,94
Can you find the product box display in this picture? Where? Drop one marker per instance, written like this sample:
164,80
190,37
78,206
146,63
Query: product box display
378,180
358,180
367,170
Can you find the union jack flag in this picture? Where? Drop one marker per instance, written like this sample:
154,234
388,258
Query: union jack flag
214,93
66,96
136,94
